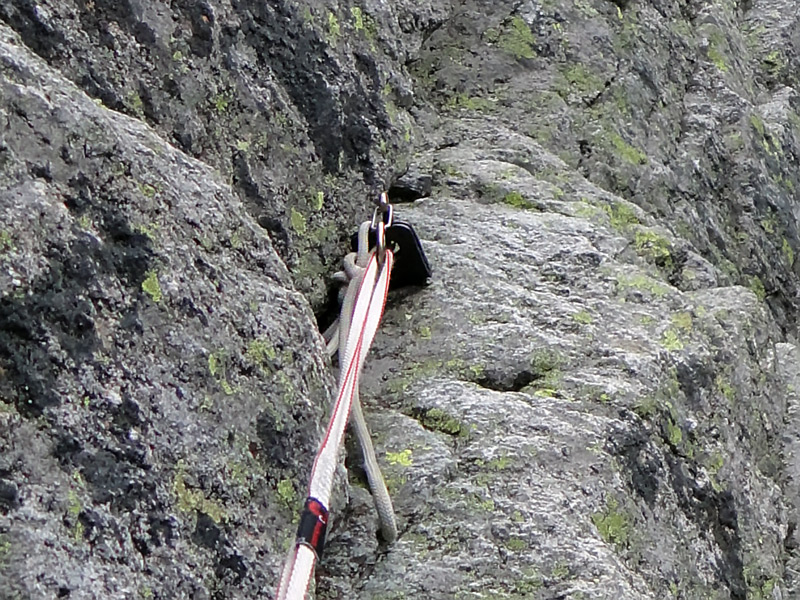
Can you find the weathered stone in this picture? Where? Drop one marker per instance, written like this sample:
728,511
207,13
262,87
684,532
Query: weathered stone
412,185
595,398
154,395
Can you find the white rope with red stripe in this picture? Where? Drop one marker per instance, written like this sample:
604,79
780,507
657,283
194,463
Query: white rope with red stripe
368,298
355,264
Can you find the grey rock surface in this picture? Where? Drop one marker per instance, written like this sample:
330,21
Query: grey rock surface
158,367
597,396
300,106
593,420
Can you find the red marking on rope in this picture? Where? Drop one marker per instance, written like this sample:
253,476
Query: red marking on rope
314,518
355,359
313,524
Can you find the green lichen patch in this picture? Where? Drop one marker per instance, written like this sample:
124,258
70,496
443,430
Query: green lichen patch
630,37
416,371
682,321
626,151
734,141
583,317
674,433
546,392
5,549
760,585
527,585
6,243
215,363
499,463
613,524
77,531
671,340
642,283
621,103
516,544
193,500
471,103
74,510
621,216
586,210
450,171
517,200
298,221
655,248
217,368
318,200
147,190
322,234
545,360
358,18
516,39
723,385
475,372
220,102
332,29
757,123
149,230
438,420
577,78
774,63
135,103
261,353
401,459
425,332
757,286
560,571
287,387
487,505
788,252
546,367
716,51
151,287
714,465
286,493
647,408
239,473
769,224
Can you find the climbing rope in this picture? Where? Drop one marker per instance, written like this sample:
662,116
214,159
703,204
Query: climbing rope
366,273
354,268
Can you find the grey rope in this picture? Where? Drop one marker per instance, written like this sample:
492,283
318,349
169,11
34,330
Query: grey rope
336,336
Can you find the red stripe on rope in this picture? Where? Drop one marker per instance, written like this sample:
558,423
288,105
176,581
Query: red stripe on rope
315,509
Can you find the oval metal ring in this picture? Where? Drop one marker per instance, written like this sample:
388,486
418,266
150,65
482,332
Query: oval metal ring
384,214
380,241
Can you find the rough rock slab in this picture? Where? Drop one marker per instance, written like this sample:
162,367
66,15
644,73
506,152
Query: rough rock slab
597,396
156,407
588,430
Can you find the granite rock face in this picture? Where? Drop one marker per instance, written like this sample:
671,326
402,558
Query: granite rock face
301,107
151,359
597,396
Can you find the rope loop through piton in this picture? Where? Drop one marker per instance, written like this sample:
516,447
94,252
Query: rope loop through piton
365,280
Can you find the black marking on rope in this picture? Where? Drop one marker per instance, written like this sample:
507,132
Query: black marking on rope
313,523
